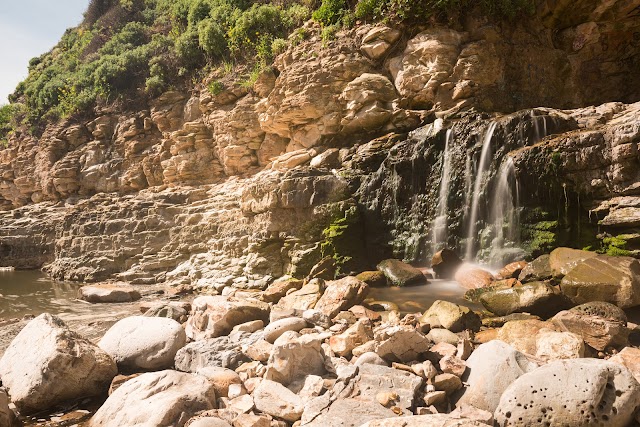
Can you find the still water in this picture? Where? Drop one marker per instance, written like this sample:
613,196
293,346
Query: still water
412,299
32,293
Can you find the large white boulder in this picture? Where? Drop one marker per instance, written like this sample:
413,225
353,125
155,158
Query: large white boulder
47,363
572,393
146,343
156,399
492,367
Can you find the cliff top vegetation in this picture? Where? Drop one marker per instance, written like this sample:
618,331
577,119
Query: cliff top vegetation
128,50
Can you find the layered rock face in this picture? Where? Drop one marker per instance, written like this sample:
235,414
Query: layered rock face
245,184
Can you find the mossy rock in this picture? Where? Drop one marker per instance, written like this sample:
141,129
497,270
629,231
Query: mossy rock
375,279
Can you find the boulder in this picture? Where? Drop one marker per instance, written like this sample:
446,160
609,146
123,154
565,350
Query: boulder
537,270
218,352
553,345
472,277
538,298
577,392
440,335
357,334
511,270
278,401
399,273
213,316
279,288
473,295
596,331
375,379
156,399
302,299
207,422
602,309
431,420
295,358
563,260
221,378
522,334
143,343
325,269
108,292
630,358
492,367
279,327
171,310
604,278
375,279
377,42
343,413
341,295
456,318
401,343
7,417
47,364
445,263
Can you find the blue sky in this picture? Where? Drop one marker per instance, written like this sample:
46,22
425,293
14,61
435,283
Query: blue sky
29,28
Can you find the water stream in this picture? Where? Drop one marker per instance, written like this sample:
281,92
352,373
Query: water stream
483,167
439,226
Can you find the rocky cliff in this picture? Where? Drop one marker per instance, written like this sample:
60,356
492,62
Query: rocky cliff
339,151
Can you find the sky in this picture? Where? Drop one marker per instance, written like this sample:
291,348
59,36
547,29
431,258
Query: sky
29,28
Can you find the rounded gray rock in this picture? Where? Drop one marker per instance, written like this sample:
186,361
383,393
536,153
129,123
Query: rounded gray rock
141,342
275,329
158,399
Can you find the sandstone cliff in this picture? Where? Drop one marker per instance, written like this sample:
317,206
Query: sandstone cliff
334,152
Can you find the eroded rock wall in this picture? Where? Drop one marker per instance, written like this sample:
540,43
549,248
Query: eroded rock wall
244,183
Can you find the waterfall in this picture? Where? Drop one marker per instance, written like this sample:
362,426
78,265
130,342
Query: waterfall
504,214
439,226
483,167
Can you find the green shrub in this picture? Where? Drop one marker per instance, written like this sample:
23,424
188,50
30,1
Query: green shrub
215,87
131,35
188,47
155,85
278,46
257,22
369,9
211,38
298,14
330,12
329,33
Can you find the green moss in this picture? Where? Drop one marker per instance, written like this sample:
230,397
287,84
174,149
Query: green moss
615,246
342,240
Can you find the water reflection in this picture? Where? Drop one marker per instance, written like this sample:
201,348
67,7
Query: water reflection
30,292
412,299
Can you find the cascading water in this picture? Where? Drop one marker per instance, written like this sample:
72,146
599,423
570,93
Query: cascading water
439,226
483,167
504,214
